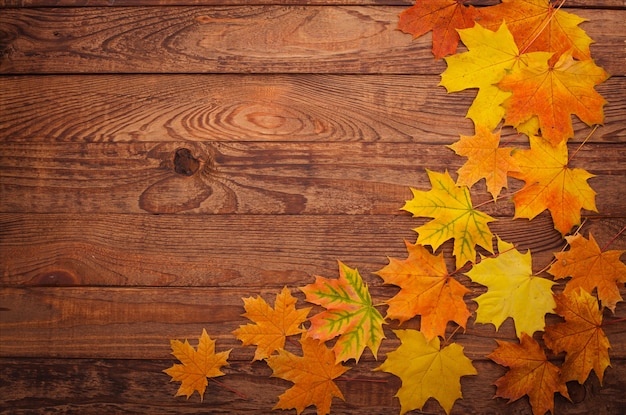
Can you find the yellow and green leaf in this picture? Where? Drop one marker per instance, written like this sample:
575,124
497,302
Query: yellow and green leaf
350,314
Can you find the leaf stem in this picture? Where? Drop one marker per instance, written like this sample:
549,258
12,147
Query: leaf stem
228,388
342,379
608,323
583,143
447,341
613,239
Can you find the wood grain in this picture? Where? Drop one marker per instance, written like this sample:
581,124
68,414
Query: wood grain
232,251
94,386
382,108
309,39
98,3
157,164
254,177
137,323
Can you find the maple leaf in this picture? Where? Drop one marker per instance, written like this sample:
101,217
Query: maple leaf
530,374
538,25
349,314
485,159
426,289
490,56
581,336
197,366
512,291
551,185
454,217
591,268
553,94
273,325
443,17
426,370
312,375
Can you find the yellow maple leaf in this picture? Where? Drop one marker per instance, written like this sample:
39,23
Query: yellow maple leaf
553,94
513,291
581,336
454,217
530,374
197,366
312,375
426,289
427,370
272,325
490,56
485,159
551,185
590,268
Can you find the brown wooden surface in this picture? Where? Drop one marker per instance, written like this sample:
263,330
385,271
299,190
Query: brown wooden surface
157,164
91,3
308,39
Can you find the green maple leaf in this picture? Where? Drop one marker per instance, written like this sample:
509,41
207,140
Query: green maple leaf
454,217
349,314
513,291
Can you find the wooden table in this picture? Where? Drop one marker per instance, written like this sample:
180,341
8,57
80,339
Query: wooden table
160,160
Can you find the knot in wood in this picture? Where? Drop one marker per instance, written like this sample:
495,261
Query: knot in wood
185,163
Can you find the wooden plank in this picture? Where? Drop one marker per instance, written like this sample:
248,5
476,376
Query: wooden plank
125,3
255,177
137,323
384,108
311,39
232,251
41,386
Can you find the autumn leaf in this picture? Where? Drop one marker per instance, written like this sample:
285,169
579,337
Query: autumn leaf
590,268
485,159
537,25
454,217
551,185
272,325
512,291
426,289
197,366
312,375
553,95
581,336
349,314
426,370
530,374
443,17
490,56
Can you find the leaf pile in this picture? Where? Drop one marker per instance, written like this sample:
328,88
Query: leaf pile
531,67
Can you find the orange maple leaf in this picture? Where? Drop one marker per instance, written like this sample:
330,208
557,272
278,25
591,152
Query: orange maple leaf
197,366
485,159
539,26
312,375
272,325
426,289
443,17
553,94
591,268
581,336
551,185
530,374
